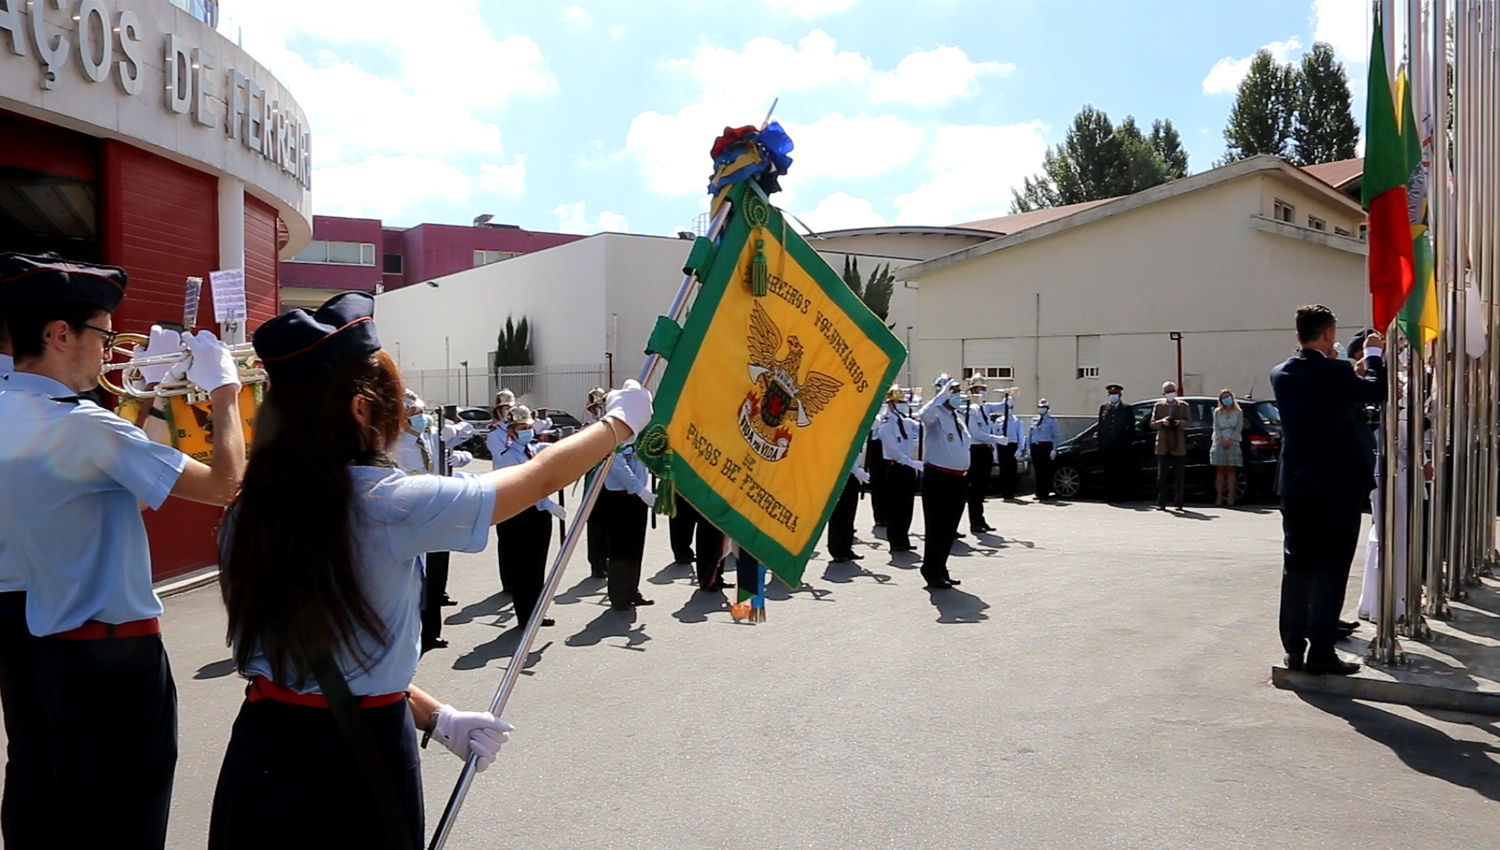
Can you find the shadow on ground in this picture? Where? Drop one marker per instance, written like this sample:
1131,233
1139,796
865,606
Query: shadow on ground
215,670
700,605
486,607
503,646
612,623
956,606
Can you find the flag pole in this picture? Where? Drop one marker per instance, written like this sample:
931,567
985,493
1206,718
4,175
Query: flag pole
1438,218
1488,216
554,578
1458,526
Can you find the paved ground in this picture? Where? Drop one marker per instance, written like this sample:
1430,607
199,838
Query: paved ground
1101,681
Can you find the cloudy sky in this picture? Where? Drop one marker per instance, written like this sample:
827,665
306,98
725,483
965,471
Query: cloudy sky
599,115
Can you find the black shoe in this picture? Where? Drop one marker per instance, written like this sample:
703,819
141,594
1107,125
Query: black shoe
899,550
1161,507
959,535
1293,663
622,608
448,601
434,643
1179,507
953,582
683,559
1331,667
854,556
598,575
939,585
640,600
1348,625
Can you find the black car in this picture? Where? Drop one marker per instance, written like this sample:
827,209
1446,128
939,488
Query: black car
564,424
480,418
1080,464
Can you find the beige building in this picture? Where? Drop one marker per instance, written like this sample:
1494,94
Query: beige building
1066,300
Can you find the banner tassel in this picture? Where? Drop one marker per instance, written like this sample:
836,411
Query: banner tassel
654,445
760,276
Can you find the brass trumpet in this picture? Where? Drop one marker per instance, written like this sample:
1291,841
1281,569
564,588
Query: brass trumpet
132,384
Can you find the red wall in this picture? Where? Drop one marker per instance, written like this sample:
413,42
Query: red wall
338,278
261,263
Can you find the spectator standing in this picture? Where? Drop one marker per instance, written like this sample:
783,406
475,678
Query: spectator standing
1042,444
1225,455
1116,431
1169,418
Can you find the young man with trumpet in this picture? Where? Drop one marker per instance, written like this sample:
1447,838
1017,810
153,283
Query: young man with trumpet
70,518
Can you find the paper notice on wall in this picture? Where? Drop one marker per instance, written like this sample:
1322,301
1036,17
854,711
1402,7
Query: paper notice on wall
228,287
190,303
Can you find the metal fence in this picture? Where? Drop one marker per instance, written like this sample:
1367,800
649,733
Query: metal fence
564,387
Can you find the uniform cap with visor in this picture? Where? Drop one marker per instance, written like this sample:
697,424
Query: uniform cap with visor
48,277
303,343
520,415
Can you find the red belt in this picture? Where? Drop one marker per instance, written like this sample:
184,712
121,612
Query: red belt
95,630
945,470
262,688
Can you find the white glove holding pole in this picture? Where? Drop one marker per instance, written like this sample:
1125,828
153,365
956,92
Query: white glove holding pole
162,342
648,497
212,365
860,475
916,464
630,406
458,458
476,733
557,510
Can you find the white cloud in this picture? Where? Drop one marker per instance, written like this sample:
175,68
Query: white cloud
974,168
578,16
573,218
509,180
841,210
931,77
450,73
839,147
386,186
1226,74
810,8
1345,25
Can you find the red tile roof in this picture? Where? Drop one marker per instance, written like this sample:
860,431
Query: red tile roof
1020,221
1337,174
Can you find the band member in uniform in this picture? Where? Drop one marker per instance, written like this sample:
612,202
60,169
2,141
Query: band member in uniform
898,442
322,582
977,417
70,519
598,531
504,401
1010,443
1041,441
945,441
875,454
1116,432
841,520
629,503
523,540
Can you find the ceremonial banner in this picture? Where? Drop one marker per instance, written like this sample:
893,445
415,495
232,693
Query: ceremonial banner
768,398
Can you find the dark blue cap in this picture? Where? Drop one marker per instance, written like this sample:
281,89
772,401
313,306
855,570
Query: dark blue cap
301,343
48,277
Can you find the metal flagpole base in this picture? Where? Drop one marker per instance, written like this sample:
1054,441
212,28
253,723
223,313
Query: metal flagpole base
1395,657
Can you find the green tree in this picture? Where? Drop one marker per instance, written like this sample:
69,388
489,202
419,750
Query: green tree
877,291
1261,120
1098,160
513,348
1324,129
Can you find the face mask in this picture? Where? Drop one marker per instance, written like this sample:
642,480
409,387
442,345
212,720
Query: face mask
955,402
418,421
1042,410
1170,396
1227,401
1340,351
1114,398
903,408
525,435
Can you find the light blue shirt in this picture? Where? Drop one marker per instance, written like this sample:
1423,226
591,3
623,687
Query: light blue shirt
498,441
397,518
1010,430
74,476
945,440
7,364
514,454
977,418
898,439
1044,430
627,473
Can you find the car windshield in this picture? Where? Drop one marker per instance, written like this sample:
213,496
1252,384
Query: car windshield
1266,411
474,415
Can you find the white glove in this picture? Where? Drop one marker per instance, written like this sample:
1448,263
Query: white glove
162,342
860,475
457,458
557,510
1054,454
212,367
915,464
630,406
648,497
477,733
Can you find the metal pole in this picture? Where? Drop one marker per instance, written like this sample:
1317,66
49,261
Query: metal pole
1458,238
1487,251
1439,222
554,578
1383,649
1416,392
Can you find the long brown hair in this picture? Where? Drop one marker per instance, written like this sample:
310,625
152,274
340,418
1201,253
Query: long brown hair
288,577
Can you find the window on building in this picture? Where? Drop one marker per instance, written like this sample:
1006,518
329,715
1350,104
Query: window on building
1339,231
391,263
337,253
1087,350
995,372
1283,211
1364,231
1317,223
989,358
484,258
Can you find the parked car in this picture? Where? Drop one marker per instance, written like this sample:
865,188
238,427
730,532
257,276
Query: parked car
480,418
1080,464
564,424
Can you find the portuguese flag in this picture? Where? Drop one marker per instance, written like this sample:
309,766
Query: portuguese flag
1391,264
1419,318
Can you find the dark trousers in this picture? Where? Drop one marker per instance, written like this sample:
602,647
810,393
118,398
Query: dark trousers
27,814
841,522
1042,466
434,588
981,461
901,497
681,528
113,733
523,542
710,553
290,780
1173,467
627,545
1318,548
879,498
598,535
1119,473
943,496
1006,457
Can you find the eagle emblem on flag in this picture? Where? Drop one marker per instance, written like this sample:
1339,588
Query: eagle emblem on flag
776,391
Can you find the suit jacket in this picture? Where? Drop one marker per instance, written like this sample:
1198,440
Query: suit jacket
1171,439
1326,459
1116,425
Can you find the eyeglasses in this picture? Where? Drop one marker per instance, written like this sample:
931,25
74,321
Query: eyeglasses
109,336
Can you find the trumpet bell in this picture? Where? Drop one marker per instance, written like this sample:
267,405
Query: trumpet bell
132,384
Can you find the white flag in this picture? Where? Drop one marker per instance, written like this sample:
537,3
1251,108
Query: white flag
1476,342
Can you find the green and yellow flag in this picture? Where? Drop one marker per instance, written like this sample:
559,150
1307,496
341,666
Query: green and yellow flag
1419,316
768,398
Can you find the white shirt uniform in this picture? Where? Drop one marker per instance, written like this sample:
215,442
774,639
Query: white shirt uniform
1009,430
516,454
977,417
945,439
898,439
628,473
415,454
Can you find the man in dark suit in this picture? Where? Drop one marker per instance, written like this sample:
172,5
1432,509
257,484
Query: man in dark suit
1326,471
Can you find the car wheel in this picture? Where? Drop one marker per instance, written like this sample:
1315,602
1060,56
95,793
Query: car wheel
1067,481
1241,486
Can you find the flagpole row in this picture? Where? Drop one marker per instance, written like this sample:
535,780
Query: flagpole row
1436,93
565,553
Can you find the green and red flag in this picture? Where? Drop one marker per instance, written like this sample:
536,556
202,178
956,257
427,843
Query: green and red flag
1419,318
1391,262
